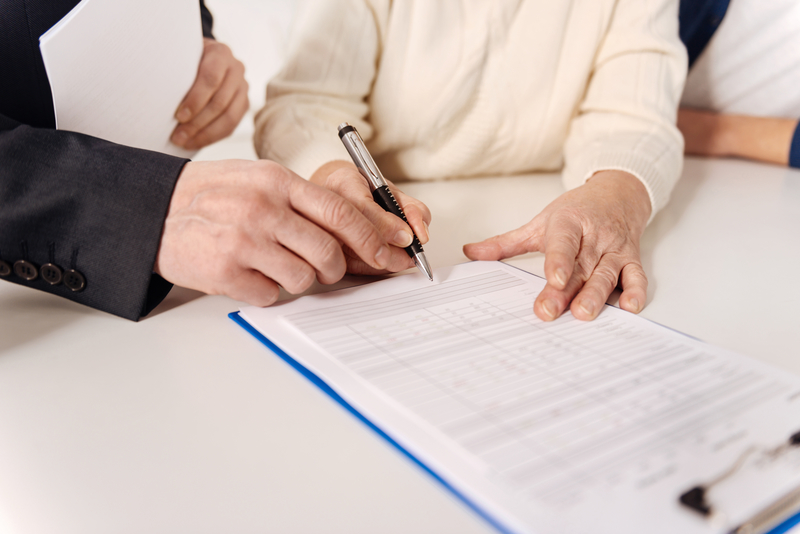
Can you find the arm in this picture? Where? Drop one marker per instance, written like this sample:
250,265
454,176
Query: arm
118,215
767,139
326,81
101,205
622,158
627,118
331,64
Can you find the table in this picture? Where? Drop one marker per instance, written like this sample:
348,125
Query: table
185,423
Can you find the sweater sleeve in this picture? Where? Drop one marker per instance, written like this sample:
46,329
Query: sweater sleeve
626,120
332,62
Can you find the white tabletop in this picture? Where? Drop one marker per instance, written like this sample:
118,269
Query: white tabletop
185,423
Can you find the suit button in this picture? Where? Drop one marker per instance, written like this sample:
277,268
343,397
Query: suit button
51,274
26,270
5,268
74,280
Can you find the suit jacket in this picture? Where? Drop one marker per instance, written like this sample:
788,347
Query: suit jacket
699,19
91,209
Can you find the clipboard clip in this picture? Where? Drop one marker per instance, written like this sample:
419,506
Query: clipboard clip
696,498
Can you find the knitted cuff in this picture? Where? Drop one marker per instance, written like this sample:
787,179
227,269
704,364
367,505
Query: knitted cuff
794,151
657,174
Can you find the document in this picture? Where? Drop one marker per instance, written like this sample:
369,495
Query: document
118,69
544,427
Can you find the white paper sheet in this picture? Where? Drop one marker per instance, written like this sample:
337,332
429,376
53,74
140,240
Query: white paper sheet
567,426
118,69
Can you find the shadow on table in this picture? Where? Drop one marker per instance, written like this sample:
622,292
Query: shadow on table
177,297
695,172
27,316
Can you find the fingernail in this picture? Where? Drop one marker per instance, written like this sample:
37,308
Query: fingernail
427,231
634,304
382,257
561,277
588,307
549,308
403,239
183,115
180,138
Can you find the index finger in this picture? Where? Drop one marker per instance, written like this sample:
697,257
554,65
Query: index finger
351,185
337,216
562,242
417,213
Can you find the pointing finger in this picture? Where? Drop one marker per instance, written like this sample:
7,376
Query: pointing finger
350,184
520,241
336,215
417,214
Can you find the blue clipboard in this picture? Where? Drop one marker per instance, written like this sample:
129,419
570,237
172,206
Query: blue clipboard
317,381
783,528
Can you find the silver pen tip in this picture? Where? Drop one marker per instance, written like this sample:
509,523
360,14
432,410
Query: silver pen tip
422,264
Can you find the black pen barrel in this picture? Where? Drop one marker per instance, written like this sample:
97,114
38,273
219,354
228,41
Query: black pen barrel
385,199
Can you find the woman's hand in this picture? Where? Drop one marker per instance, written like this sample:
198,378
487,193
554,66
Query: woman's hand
590,238
216,102
343,178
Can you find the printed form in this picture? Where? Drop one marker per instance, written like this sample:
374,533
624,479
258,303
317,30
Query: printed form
566,426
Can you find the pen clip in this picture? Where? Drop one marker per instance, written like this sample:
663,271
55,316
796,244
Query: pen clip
375,177
361,157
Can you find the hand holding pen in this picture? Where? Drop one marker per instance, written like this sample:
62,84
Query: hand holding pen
345,179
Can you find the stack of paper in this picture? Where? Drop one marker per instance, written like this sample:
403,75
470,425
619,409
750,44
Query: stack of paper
566,426
118,69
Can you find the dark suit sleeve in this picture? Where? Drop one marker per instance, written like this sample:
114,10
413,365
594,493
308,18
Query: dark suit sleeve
208,20
88,204
699,20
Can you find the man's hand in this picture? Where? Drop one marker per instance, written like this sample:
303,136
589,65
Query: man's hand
216,102
590,237
343,178
241,228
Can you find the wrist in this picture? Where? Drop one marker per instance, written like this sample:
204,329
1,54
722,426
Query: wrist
759,138
183,192
629,191
728,136
707,133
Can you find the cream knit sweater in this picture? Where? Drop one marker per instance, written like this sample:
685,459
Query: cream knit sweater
447,88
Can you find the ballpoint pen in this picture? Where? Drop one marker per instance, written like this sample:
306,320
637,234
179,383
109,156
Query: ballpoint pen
380,190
